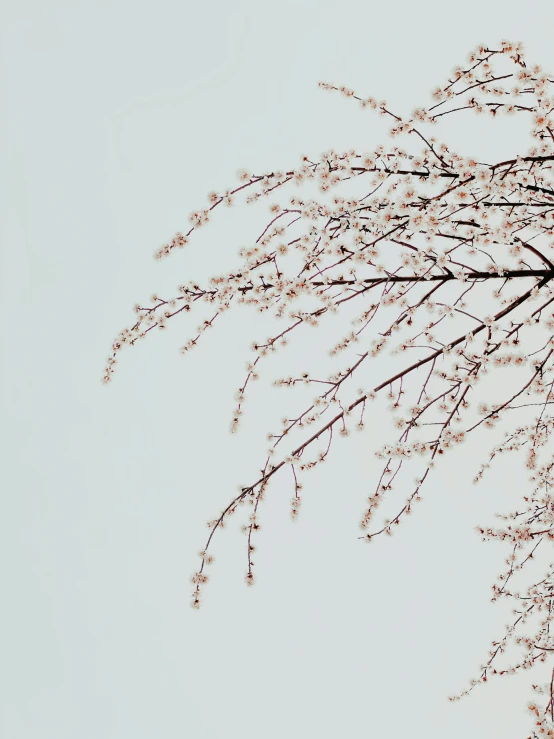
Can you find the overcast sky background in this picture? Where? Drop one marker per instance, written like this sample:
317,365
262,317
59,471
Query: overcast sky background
119,117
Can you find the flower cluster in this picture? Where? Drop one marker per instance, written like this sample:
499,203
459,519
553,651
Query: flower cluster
426,255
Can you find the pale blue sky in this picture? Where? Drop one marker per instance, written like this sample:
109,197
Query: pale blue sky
119,118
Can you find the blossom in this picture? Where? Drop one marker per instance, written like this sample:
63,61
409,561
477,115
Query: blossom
423,257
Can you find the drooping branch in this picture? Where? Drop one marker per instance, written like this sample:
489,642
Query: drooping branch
441,257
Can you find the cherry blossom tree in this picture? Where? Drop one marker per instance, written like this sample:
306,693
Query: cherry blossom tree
443,264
